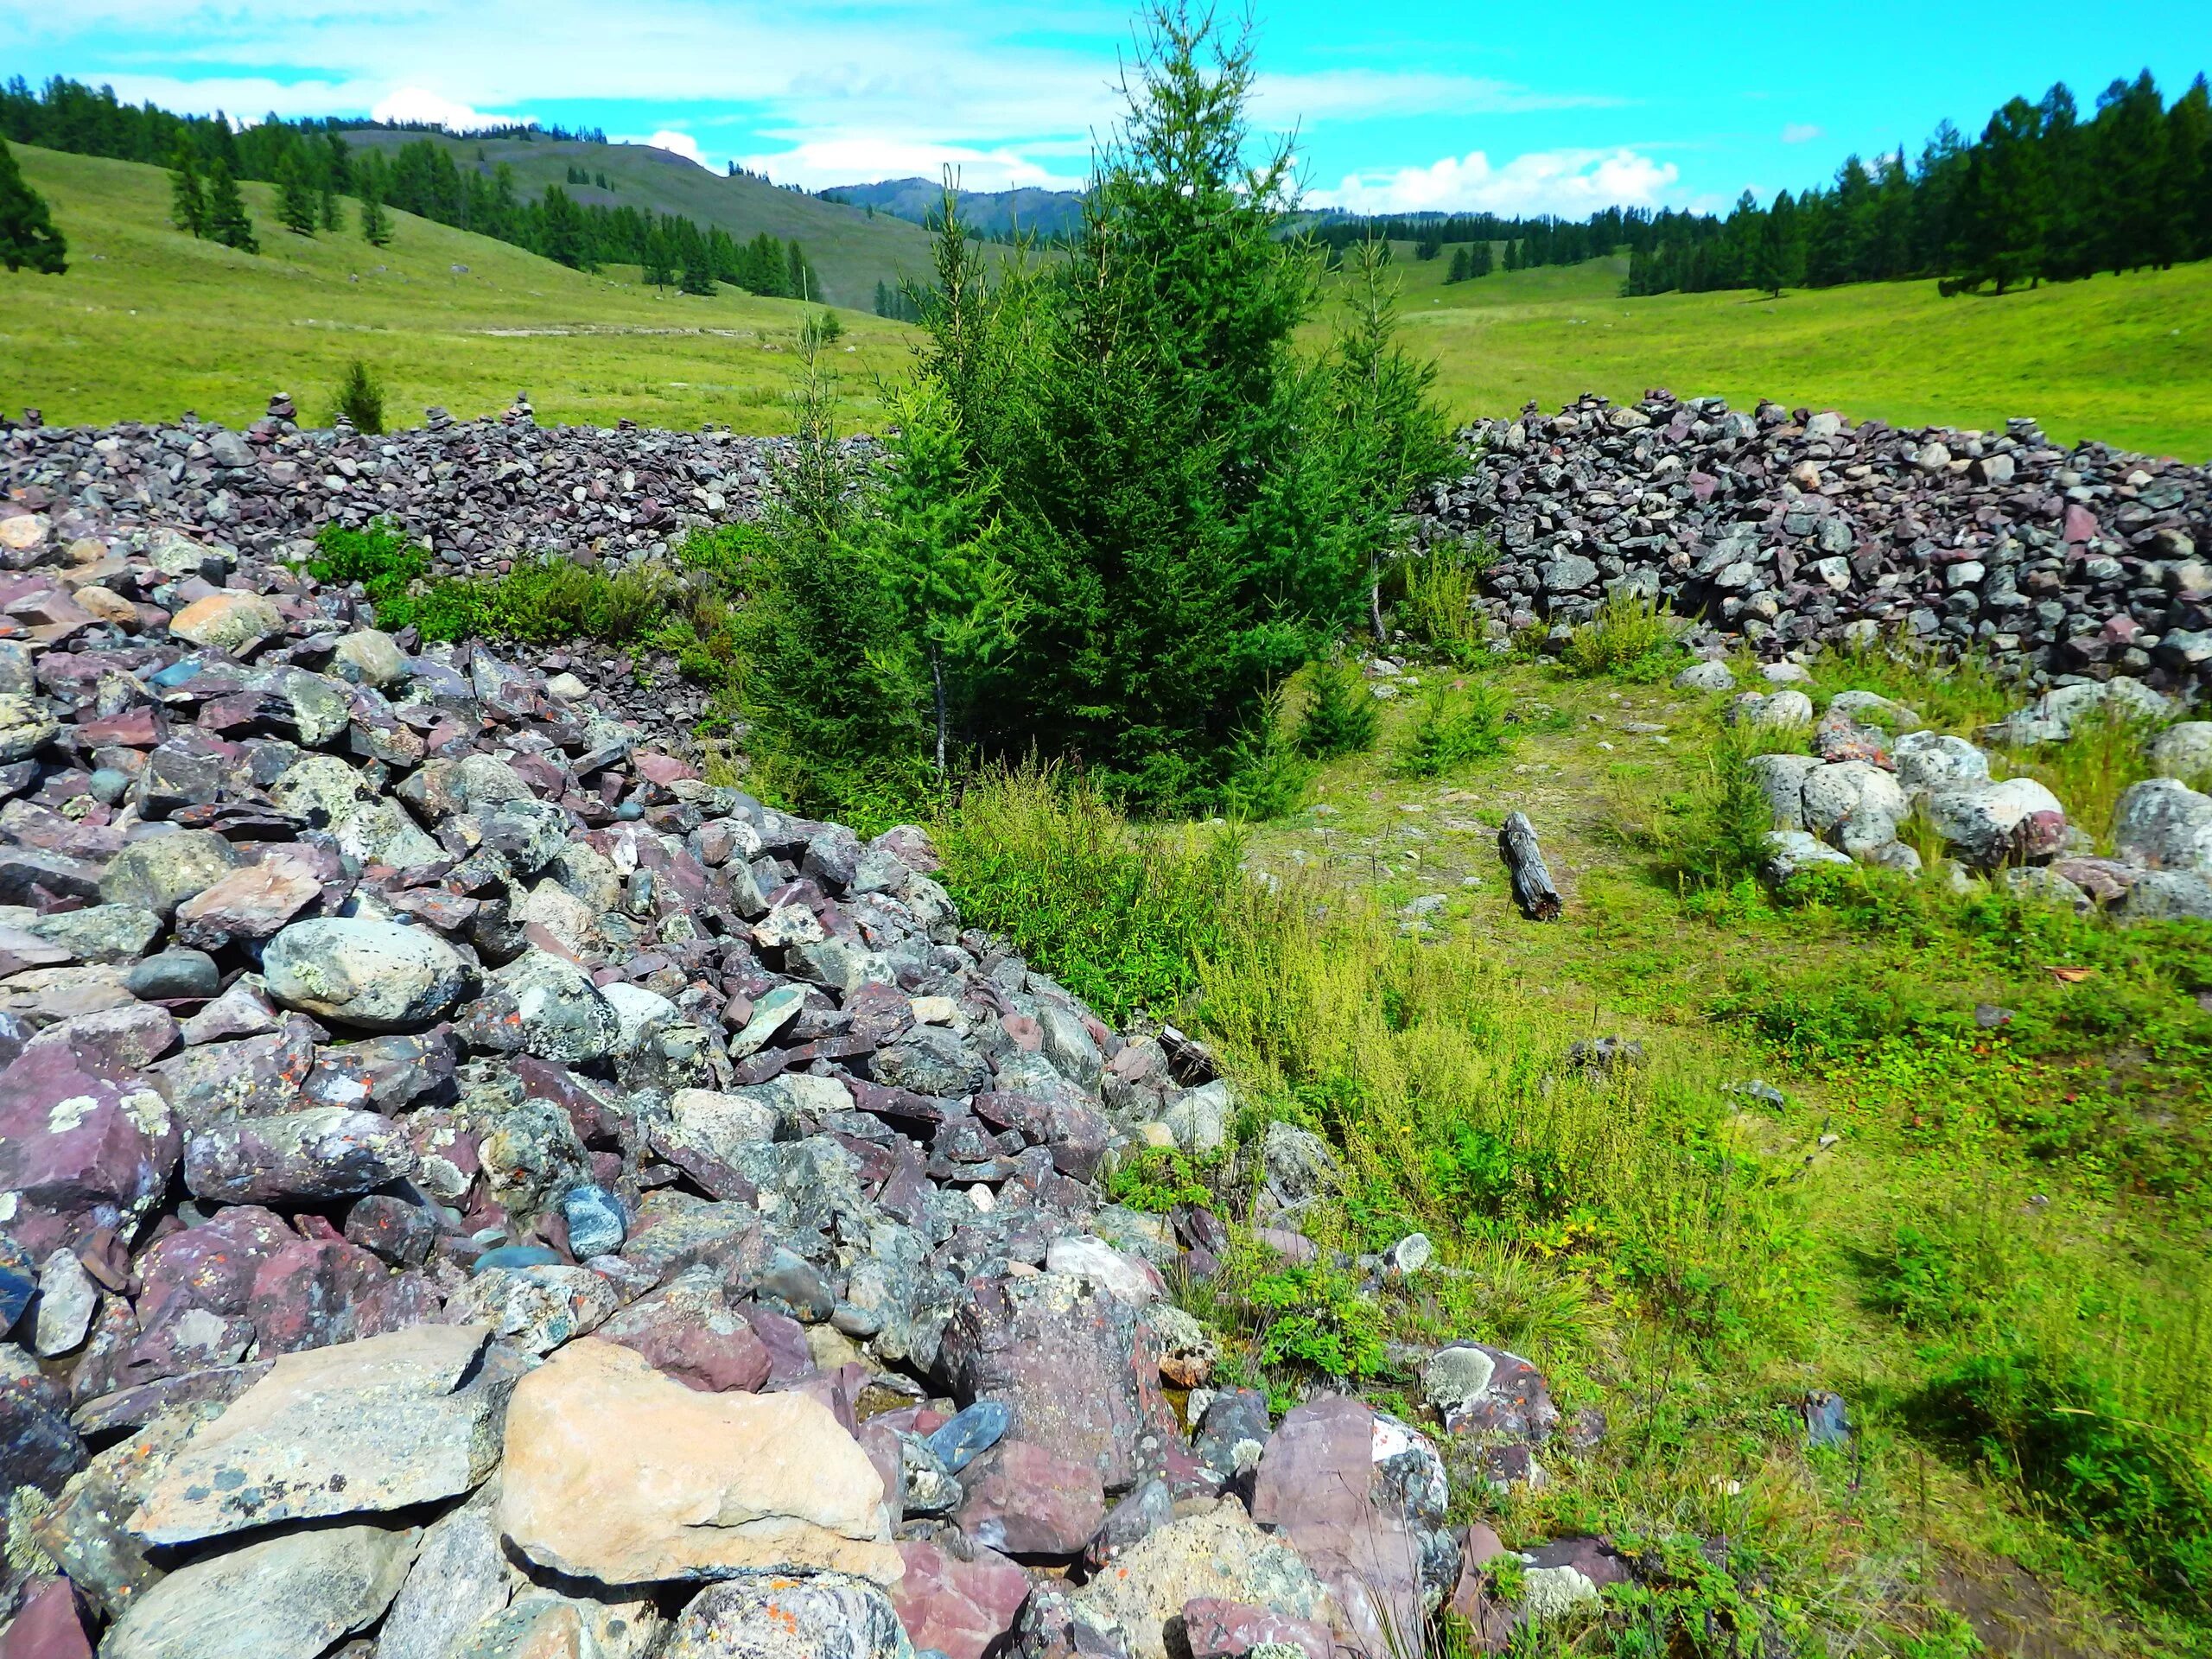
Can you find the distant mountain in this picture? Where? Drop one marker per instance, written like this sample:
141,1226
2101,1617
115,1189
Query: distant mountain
850,251
994,213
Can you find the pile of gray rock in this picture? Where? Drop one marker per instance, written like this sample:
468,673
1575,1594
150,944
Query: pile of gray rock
1789,529
1874,764
480,493
469,1186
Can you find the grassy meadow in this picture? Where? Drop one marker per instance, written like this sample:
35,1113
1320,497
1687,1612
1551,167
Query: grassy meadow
147,322
1987,1240
2125,359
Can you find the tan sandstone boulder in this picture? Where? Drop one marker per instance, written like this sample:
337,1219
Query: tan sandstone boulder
617,1472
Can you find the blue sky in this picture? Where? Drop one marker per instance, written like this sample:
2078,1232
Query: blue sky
1417,105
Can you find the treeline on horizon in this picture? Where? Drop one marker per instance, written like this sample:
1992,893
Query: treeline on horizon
2043,194
420,177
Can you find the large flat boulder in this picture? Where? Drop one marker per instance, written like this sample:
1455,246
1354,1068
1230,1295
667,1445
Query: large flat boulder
616,1472
361,1427
286,1598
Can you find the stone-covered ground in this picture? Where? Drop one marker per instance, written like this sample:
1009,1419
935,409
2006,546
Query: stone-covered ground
469,1186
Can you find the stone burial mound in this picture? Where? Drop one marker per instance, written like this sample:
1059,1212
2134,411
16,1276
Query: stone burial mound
469,1186
1791,529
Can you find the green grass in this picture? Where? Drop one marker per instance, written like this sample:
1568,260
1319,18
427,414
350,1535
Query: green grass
2125,360
1989,1242
147,322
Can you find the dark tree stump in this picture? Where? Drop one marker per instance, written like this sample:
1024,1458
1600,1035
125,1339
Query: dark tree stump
1532,882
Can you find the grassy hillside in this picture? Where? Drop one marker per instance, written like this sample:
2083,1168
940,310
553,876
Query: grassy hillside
2128,360
850,251
148,322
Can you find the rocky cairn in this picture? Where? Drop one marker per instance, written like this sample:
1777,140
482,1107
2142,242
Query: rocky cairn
1791,529
470,1187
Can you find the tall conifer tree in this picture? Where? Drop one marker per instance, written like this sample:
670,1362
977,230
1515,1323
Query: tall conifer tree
296,195
228,221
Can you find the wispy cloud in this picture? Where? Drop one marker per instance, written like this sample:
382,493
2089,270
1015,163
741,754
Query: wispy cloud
1802,132
1570,182
1349,93
861,158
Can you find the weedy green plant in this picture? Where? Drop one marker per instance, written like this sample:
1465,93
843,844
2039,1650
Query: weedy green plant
1156,1180
1631,638
1452,727
1122,915
1315,1319
1714,837
1438,591
1960,694
1342,714
379,557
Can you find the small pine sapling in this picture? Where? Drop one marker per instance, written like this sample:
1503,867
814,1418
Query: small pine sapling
1341,716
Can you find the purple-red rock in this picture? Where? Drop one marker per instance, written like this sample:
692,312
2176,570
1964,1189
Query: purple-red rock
1361,1496
47,1624
1023,1499
241,1280
1064,1356
1215,1628
960,1607
73,1139
690,1331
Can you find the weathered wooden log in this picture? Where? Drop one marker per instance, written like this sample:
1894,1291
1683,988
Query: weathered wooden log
1524,860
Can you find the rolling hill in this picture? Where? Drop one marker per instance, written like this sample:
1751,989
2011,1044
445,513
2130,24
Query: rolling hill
850,250
148,322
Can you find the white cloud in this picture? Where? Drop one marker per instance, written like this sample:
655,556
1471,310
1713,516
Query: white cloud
1572,183
1338,93
679,144
862,158
1802,132
416,104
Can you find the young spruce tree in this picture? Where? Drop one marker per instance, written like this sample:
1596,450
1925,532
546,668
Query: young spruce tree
227,219
1193,508
296,195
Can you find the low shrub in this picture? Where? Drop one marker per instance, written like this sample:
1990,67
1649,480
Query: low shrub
2056,1425
379,557
1713,837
